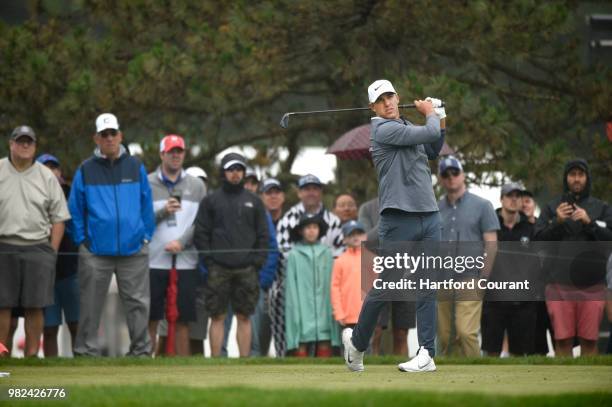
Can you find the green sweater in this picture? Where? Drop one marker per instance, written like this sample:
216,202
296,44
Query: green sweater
308,311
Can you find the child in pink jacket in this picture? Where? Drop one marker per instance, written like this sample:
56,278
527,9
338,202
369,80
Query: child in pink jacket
346,276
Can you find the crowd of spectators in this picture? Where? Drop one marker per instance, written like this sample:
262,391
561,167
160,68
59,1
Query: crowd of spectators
289,277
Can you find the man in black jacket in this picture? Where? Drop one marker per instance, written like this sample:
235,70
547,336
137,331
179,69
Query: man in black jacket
503,314
576,217
232,232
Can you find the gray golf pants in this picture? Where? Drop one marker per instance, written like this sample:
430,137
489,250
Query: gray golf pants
397,226
95,273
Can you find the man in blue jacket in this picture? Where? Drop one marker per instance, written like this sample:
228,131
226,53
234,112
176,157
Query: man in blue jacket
260,320
113,222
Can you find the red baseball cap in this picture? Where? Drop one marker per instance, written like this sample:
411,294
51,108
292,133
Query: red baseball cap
171,141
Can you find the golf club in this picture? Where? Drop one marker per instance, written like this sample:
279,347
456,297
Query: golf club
284,123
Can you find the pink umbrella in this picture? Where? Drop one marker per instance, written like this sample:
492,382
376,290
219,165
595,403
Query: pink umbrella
355,145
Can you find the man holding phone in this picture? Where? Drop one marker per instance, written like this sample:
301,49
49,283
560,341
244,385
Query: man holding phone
575,216
176,199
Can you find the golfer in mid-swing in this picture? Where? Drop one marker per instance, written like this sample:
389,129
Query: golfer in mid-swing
408,209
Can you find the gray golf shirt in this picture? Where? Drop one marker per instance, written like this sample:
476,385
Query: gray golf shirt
404,177
467,219
463,224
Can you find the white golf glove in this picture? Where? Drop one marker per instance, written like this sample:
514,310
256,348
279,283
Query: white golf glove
438,109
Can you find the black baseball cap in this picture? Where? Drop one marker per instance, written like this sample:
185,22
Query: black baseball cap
270,183
309,179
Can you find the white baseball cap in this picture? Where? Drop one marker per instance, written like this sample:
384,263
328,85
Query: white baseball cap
379,87
197,172
106,121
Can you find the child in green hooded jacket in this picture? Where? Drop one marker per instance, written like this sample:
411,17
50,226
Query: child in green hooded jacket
308,311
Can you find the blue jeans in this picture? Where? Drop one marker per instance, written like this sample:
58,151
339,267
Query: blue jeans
260,327
398,226
66,299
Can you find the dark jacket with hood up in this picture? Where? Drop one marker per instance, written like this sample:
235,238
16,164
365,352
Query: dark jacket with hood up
569,263
232,218
549,229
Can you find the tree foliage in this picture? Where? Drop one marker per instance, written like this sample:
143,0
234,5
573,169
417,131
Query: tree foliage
521,97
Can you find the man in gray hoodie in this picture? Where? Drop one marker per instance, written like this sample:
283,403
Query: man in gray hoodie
408,209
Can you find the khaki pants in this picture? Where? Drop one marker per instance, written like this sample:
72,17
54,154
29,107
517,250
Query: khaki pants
467,325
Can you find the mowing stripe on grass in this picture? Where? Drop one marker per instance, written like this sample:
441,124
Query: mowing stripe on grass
239,396
477,379
603,360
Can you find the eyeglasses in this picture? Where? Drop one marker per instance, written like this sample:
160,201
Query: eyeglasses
453,171
107,133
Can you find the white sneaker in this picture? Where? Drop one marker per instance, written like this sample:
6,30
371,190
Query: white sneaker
352,357
422,362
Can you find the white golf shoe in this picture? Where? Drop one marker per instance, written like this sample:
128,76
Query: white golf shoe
422,362
352,357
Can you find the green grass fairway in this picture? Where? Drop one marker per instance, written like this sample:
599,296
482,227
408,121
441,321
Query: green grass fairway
266,382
